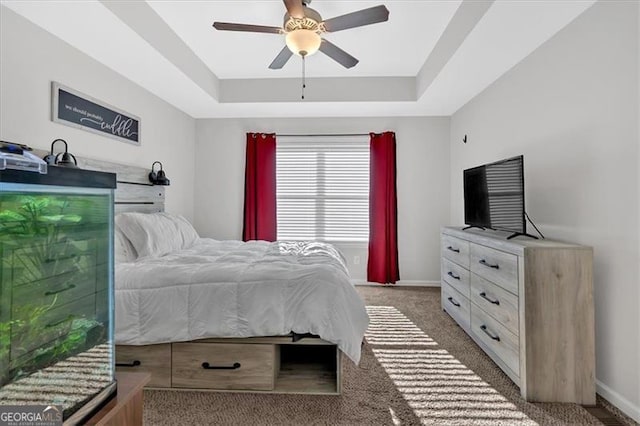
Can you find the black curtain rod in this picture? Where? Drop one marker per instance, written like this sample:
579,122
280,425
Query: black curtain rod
326,134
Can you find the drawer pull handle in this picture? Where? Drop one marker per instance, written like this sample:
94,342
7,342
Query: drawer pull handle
452,275
484,296
63,320
484,262
452,300
51,293
455,250
133,363
206,366
484,328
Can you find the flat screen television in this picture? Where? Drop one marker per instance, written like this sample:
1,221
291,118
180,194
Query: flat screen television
494,196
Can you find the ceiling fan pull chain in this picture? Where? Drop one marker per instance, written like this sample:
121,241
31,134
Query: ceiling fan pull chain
303,76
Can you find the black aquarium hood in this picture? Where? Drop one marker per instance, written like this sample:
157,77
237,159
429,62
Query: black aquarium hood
61,176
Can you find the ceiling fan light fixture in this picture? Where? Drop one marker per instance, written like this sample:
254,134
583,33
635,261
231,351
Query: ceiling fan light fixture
303,42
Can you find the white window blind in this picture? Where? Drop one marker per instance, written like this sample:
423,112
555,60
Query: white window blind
323,188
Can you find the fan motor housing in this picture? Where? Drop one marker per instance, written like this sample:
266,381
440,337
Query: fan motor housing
311,21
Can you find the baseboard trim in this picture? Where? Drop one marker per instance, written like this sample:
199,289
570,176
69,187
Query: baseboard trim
401,283
623,404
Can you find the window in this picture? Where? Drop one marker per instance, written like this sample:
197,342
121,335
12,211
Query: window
323,188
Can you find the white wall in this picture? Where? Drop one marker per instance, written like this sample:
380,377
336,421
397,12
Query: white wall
572,109
30,58
422,179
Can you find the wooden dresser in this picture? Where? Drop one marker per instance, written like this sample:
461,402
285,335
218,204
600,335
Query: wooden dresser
529,305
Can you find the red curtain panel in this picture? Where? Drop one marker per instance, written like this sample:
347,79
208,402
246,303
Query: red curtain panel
260,188
382,266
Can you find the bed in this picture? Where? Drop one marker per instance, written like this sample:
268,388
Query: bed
282,356
258,316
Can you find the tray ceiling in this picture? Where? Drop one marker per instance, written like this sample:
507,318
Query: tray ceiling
430,58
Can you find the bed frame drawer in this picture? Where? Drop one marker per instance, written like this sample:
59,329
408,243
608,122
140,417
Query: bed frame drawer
154,359
224,366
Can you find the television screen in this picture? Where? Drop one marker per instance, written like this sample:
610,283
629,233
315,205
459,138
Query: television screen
494,195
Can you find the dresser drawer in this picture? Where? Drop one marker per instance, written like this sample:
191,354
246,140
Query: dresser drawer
456,305
496,266
503,343
455,249
496,301
246,366
40,259
56,290
154,359
456,276
34,327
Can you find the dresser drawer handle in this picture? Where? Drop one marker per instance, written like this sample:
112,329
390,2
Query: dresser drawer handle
63,320
452,275
484,262
452,300
484,328
206,366
133,363
455,250
484,296
51,293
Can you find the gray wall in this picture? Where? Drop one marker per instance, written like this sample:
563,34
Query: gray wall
572,109
423,187
27,68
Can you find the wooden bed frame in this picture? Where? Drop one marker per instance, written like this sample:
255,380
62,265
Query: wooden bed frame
257,364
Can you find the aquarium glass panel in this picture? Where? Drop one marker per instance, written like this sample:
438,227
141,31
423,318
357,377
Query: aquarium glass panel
56,307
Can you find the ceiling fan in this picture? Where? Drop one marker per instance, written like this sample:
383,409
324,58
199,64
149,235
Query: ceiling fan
303,27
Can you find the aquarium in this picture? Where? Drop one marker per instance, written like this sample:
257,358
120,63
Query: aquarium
56,291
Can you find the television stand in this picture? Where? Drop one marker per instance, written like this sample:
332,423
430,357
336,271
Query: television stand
524,234
474,226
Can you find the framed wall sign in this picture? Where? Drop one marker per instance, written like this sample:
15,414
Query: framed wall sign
76,109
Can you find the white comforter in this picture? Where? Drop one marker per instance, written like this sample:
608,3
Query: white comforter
237,289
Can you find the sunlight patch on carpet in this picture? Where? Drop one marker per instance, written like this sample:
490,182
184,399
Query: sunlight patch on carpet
439,389
389,326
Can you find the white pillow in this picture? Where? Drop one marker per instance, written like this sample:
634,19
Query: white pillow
122,249
152,235
188,234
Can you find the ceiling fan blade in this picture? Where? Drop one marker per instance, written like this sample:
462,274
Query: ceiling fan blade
281,59
337,54
294,8
373,15
229,26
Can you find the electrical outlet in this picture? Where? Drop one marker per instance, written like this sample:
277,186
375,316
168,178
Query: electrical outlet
356,260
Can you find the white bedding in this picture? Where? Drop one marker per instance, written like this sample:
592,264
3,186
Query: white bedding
236,289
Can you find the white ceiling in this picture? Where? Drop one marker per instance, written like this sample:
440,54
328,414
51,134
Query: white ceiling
397,47
159,42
